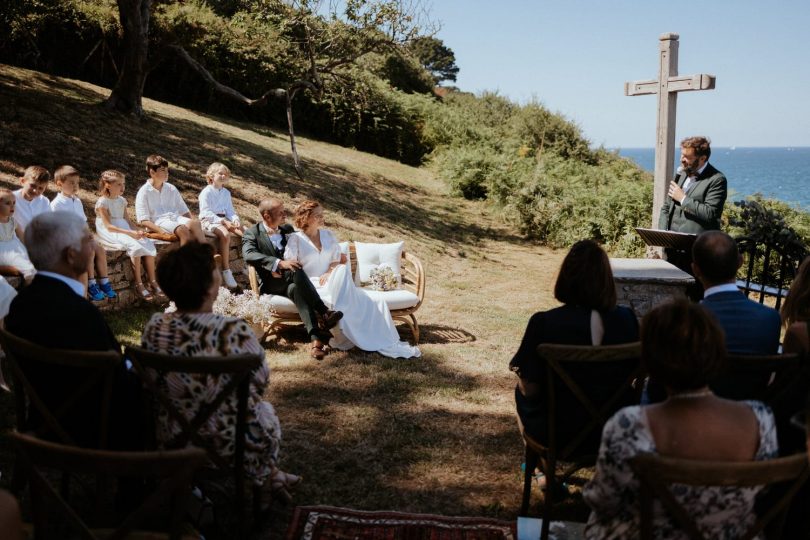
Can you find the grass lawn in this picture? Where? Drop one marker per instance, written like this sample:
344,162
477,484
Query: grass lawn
435,434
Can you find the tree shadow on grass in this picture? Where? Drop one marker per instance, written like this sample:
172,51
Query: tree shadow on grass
387,434
56,121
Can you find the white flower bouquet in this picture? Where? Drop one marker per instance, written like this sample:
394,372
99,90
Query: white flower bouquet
383,278
247,305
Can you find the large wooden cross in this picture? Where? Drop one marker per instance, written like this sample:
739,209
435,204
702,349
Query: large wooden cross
667,86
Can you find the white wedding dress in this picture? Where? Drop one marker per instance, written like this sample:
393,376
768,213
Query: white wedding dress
366,323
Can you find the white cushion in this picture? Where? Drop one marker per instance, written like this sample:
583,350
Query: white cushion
370,256
281,304
398,299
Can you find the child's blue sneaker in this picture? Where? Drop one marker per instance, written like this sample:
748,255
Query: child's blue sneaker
94,293
107,289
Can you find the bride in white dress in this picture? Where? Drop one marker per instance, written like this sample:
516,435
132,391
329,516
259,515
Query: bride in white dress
366,323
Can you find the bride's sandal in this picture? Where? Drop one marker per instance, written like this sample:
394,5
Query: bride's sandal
143,292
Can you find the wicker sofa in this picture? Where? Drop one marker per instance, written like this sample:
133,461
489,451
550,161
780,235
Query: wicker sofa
403,302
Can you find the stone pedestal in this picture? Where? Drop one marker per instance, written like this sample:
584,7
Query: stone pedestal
642,284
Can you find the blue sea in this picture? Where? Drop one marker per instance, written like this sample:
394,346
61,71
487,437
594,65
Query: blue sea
777,173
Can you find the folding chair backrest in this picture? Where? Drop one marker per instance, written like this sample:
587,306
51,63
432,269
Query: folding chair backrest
152,367
763,378
173,470
55,388
586,385
657,474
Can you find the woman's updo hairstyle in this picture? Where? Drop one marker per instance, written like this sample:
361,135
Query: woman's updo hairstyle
186,273
682,346
303,212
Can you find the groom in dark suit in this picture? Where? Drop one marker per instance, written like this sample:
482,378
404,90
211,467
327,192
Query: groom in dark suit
263,248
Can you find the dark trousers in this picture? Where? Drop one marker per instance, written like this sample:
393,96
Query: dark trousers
295,285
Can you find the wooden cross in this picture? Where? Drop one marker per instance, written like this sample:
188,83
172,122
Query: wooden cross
667,86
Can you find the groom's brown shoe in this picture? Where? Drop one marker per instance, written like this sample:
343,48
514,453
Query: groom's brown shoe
329,319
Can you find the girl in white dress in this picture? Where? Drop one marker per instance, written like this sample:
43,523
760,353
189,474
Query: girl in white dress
366,323
116,231
12,250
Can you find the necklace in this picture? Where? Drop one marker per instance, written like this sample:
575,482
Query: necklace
691,395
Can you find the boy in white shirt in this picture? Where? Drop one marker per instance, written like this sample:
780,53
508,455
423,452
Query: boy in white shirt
218,216
160,208
30,199
67,180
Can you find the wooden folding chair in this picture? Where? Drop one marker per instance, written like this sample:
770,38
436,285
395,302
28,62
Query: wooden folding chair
53,516
567,369
658,473
153,367
781,381
95,369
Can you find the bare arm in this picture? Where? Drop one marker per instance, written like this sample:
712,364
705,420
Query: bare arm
104,214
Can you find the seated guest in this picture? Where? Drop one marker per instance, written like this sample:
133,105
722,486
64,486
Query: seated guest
191,279
589,316
681,346
750,327
263,247
796,312
53,312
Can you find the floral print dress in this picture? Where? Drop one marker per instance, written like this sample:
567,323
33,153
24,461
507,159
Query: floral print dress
211,334
721,513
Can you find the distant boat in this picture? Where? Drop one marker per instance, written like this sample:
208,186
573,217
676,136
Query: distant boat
733,148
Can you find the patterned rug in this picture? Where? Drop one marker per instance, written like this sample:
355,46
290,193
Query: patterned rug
327,522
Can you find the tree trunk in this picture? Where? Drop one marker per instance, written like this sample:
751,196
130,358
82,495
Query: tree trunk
296,161
128,92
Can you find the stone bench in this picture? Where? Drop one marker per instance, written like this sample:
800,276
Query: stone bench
402,303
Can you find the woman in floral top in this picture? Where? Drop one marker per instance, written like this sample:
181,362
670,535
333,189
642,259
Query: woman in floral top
190,278
684,348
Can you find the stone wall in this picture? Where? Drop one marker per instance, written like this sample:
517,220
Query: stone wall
641,296
642,284
122,275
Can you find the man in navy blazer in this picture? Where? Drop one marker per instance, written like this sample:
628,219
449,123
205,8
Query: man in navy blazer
750,327
53,312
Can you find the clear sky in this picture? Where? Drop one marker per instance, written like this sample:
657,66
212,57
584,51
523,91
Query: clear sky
574,57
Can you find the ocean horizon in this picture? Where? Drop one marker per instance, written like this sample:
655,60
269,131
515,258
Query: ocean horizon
776,172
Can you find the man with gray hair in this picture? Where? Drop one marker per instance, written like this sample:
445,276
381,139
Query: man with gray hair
53,312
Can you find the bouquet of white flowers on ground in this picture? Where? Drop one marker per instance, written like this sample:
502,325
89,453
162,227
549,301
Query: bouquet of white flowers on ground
247,305
383,278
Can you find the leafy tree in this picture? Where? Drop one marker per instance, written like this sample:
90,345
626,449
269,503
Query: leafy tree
323,42
437,58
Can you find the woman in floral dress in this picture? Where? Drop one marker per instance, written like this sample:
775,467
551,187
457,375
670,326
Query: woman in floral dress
684,348
190,278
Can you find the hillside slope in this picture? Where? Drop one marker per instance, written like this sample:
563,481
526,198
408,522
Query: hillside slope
436,434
